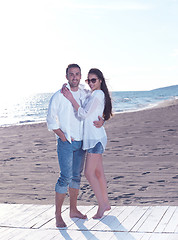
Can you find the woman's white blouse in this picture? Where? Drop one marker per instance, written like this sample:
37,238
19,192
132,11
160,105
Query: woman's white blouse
92,108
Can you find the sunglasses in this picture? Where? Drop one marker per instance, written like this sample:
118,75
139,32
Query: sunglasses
93,80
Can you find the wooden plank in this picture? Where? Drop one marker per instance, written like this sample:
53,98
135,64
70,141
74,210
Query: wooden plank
5,209
2,229
19,234
10,210
163,236
176,230
136,235
165,220
9,233
142,219
146,236
76,235
40,234
109,219
153,219
127,236
173,237
121,218
116,222
173,223
133,218
88,235
32,213
33,234
23,215
13,214
103,235
41,218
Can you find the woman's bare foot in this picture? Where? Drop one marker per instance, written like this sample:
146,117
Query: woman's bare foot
60,222
101,211
77,214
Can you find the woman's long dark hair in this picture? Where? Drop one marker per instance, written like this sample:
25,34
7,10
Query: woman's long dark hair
108,105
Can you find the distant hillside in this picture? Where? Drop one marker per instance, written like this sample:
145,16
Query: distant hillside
169,88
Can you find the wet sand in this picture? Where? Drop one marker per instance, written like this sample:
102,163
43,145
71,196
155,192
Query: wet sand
140,161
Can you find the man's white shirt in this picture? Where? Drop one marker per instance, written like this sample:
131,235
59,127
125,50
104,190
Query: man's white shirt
61,114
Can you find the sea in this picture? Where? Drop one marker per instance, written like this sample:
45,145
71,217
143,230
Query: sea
33,109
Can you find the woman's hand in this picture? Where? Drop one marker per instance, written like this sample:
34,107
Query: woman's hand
63,87
67,93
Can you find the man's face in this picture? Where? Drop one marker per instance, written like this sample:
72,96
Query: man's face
73,76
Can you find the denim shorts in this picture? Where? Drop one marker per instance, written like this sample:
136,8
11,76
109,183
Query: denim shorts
98,148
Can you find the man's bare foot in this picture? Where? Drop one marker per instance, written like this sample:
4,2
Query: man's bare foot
77,214
101,211
59,222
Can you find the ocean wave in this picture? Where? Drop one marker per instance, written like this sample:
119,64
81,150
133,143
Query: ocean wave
161,104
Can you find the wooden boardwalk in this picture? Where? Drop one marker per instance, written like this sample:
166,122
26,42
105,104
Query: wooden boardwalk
35,222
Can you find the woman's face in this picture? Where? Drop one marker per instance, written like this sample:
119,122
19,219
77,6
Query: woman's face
94,82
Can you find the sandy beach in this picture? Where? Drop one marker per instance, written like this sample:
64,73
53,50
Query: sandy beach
140,161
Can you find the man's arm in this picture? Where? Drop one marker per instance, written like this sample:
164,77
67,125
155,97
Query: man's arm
60,133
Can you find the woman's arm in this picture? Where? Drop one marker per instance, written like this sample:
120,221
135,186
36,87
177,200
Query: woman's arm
84,112
67,93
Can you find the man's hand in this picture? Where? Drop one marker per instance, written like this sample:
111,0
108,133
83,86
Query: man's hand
64,139
99,123
60,134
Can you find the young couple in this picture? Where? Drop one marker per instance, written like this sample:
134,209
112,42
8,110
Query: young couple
72,115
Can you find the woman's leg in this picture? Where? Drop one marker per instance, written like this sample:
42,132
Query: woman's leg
95,174
102,180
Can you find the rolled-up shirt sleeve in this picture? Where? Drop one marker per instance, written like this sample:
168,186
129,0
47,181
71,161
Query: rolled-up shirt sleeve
52,116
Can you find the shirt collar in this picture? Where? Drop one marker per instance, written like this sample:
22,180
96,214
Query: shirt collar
81,86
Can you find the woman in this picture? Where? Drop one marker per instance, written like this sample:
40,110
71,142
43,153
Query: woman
95,139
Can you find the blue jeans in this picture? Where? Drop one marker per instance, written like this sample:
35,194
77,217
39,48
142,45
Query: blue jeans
71,158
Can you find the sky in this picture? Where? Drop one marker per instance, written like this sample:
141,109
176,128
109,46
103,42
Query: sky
134,43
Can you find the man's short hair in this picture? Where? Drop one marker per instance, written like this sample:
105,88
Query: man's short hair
73,65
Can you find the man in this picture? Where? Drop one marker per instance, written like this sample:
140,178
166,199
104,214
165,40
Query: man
63,120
